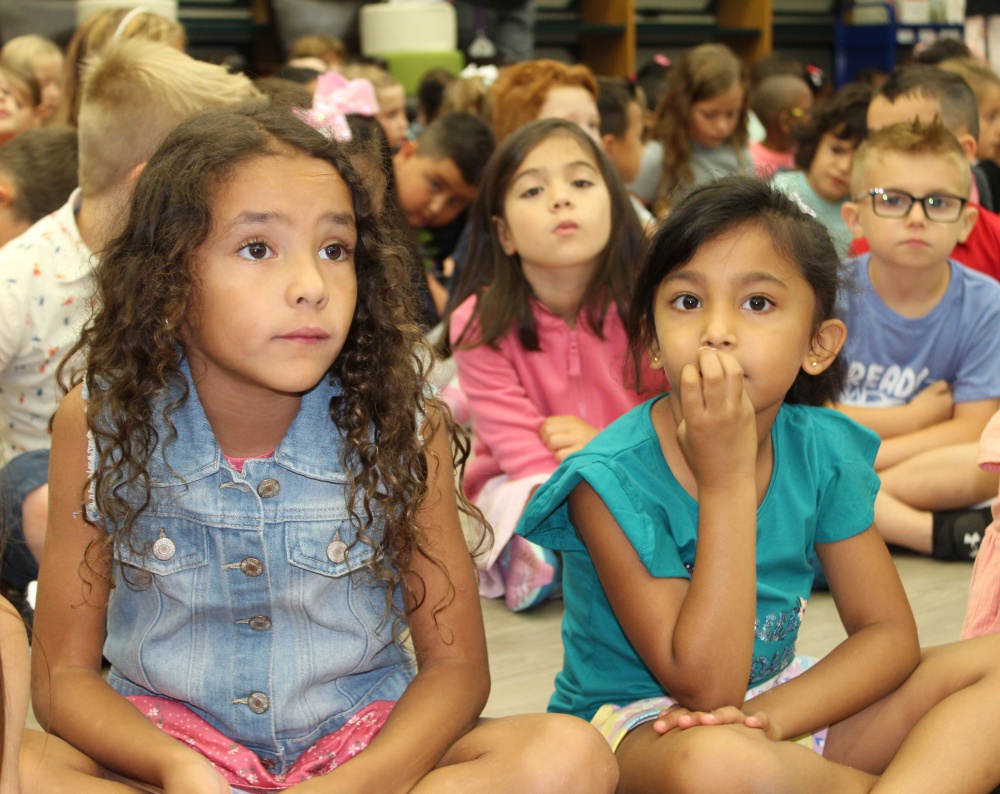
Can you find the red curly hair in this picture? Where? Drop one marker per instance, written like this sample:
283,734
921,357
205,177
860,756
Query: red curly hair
521,89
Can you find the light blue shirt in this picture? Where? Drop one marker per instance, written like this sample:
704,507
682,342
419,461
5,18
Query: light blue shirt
891,358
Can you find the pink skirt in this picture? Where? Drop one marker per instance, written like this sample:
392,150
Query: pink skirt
983,616
242,768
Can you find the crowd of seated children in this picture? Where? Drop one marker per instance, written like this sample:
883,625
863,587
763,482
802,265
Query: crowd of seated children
921,350
534,315
826,142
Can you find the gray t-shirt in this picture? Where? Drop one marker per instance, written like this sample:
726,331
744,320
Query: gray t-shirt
706,165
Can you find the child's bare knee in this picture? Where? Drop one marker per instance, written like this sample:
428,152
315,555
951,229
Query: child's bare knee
722,759
568,754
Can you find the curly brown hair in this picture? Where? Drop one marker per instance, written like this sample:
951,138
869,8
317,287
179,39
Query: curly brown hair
700,74
145,282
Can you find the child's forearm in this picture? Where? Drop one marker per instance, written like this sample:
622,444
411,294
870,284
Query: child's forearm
714,629
964,427
440,705
864,668
83,709
14,657
888,422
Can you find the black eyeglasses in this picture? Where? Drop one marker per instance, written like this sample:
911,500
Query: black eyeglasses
938,207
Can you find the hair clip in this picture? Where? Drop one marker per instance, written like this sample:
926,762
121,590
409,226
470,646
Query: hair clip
334,99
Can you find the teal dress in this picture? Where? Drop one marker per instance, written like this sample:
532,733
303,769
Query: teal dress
822,490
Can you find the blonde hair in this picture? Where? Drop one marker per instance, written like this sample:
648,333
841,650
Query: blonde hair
701,73
978,75
378,76
910,138
467,95
96,32
319,45
136,92
23,52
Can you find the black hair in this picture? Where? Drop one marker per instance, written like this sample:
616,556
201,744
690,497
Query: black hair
949,90
943,50
716,209
464,138
614,96
845,115
430,92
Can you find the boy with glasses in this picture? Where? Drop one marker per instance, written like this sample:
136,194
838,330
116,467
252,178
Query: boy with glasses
923,350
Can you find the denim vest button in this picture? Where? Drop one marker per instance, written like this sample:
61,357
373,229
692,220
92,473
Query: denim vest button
164,549
267,763
336,552
268,488
258,702
260,623
251,566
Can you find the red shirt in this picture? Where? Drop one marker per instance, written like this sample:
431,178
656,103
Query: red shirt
980,252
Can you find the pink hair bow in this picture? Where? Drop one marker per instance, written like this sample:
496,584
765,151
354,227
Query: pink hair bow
335,98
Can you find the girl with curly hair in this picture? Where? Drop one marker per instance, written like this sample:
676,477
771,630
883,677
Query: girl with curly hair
699,128
253,501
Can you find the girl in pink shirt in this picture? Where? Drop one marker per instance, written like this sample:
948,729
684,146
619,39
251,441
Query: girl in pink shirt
537,333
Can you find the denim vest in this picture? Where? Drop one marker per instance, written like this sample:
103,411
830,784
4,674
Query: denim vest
252,603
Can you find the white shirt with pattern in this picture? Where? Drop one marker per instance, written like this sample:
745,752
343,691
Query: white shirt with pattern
46,282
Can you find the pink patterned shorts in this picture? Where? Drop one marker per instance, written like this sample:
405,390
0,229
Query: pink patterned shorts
242,768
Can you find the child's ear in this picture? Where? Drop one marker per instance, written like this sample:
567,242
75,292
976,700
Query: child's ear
655,362
851,213
406,151
6,192
969,145
967,222
608,142
826,344
504,236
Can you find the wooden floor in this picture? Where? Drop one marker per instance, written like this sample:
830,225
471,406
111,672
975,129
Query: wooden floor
526,649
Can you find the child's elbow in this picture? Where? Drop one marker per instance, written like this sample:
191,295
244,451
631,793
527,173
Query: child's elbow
706,696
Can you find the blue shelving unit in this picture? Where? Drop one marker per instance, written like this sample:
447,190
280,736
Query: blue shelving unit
858,47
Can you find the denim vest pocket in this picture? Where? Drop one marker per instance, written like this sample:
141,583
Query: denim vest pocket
189,547
329,547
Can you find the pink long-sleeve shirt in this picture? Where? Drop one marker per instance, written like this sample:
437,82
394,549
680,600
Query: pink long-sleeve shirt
512,390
